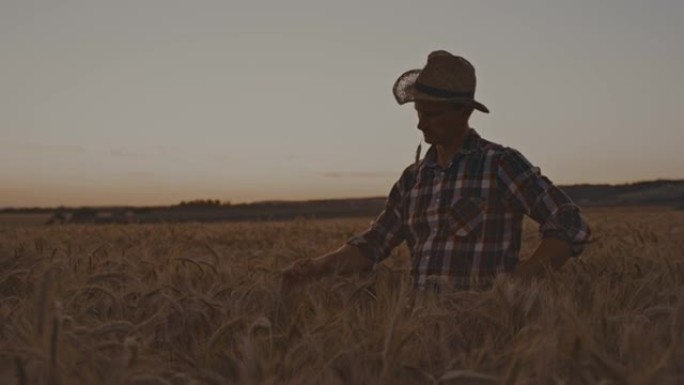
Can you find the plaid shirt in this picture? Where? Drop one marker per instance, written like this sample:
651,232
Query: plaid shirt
463,223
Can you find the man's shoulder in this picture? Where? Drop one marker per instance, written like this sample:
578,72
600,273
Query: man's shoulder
496,150
491,148
410,171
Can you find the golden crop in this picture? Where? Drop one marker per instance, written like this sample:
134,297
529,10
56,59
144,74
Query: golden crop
200,304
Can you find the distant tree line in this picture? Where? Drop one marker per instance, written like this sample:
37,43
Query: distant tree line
204,203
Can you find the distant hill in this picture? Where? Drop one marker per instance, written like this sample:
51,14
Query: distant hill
659,192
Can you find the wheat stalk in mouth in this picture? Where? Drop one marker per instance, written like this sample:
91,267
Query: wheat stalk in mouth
418,152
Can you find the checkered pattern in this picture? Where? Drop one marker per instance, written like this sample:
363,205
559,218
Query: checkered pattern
463,223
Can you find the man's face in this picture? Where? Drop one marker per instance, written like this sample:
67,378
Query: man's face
441,123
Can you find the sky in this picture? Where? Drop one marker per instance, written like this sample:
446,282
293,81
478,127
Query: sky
156,101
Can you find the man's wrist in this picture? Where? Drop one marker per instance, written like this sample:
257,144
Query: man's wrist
318,267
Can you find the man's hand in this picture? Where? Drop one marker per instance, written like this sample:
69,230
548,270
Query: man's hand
552,253
298,273
345,260
529,269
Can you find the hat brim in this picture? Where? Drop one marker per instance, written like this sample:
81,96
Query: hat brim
404,92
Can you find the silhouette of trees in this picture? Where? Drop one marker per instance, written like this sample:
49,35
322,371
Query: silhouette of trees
58,217
84,215
204,203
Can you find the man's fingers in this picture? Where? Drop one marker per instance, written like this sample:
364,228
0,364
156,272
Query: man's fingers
290,277
295,275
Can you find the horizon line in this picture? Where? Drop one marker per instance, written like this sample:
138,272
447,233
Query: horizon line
5,208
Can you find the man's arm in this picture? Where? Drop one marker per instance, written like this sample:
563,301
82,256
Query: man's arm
563,229
362,251
346,260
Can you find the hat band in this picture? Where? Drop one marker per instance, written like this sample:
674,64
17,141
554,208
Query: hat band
442,93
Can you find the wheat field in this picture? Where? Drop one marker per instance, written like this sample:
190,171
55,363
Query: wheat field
200,304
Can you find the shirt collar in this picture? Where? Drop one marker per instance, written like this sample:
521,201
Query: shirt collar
471,144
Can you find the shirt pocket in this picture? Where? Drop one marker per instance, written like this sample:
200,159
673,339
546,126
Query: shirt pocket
466,217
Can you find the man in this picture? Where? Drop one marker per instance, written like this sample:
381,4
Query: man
460,209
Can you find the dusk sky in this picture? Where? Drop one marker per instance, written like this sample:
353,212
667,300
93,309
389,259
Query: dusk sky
153,102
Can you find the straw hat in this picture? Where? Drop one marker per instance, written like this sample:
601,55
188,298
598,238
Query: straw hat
445,77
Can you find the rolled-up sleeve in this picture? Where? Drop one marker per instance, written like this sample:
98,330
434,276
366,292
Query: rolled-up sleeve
386,231
525,187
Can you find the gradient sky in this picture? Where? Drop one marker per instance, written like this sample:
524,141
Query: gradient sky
158,101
